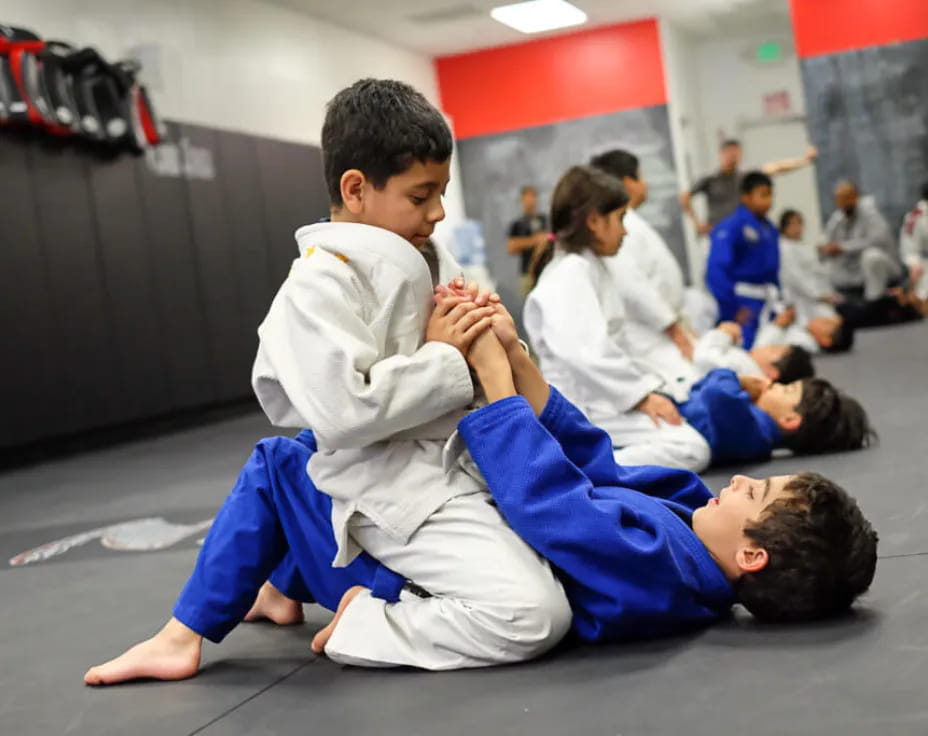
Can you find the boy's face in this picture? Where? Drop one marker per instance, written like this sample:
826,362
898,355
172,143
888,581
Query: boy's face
759,200
409,204
781,401
720,523
608,230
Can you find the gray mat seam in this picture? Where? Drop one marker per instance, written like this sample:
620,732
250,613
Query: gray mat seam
248,699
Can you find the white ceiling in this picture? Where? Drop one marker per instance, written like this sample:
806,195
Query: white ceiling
439,27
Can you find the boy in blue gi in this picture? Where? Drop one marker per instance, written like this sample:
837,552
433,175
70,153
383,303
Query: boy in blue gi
744,257
745,418
641,551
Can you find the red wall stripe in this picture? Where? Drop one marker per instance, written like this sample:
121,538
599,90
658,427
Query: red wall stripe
833,26
549,80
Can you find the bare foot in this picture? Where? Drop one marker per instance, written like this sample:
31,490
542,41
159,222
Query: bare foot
171,654
273,605
322,638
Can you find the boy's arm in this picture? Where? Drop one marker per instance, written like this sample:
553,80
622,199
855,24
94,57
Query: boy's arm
318,366
737,433
718,270
595,543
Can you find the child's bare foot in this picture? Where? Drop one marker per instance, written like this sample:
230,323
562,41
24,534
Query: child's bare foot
322,638
273,605
171,654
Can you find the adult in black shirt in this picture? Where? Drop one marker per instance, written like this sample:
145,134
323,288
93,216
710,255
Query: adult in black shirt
528,233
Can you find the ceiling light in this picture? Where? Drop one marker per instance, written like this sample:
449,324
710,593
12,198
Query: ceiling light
539,15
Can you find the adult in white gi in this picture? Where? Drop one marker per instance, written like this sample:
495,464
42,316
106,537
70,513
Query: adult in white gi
576,321
913,245
859,252
341,352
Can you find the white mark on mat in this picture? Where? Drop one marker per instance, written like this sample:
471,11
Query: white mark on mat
138,535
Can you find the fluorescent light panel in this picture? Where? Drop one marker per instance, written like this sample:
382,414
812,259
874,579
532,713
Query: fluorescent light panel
536,16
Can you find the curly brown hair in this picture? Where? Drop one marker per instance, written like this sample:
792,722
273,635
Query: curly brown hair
821,553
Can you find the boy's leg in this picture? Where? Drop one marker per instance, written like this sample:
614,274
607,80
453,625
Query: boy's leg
493,599
639,441
273,508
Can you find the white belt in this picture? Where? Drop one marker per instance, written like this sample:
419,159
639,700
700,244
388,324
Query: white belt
761,292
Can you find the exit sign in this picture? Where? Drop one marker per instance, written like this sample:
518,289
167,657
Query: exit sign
770,51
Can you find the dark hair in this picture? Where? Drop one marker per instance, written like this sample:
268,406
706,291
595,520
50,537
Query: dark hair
580,191
795,365
730,142
786,217
831,421
842,338
526,189
617,162
540,262
925,190
380,127
755,180
821,553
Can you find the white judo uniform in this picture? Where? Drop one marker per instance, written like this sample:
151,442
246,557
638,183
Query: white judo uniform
804,280
342,352
651,285
913,244
575,318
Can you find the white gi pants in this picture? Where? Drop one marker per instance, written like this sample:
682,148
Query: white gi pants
879,269
640,442
494,600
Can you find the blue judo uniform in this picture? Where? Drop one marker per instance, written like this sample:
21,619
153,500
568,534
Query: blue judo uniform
619,538
722,412
743,267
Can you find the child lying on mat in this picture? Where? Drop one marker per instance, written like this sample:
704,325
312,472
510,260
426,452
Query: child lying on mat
745,418
641,551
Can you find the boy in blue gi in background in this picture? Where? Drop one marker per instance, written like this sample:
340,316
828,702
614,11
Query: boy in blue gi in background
641,551
744,258
745,418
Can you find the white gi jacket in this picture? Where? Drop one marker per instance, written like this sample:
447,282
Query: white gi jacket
575,319
804,280
913,244
341,352
654,258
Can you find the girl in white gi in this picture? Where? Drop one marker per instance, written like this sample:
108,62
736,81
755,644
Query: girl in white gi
351,349
576,322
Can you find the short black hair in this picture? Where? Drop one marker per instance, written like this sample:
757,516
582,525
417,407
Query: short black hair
795,365
787,216
526,189
380,127
821,554
730,142
832,421
925,190
579,192
842,338
755,180
617,162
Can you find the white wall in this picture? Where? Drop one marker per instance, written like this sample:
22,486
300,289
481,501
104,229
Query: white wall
235,64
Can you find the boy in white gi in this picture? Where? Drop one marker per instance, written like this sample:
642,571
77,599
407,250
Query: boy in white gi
352,350
575,319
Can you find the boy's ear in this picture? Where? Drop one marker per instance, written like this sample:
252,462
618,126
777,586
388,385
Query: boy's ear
751,558
790,422
352,189
772,372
